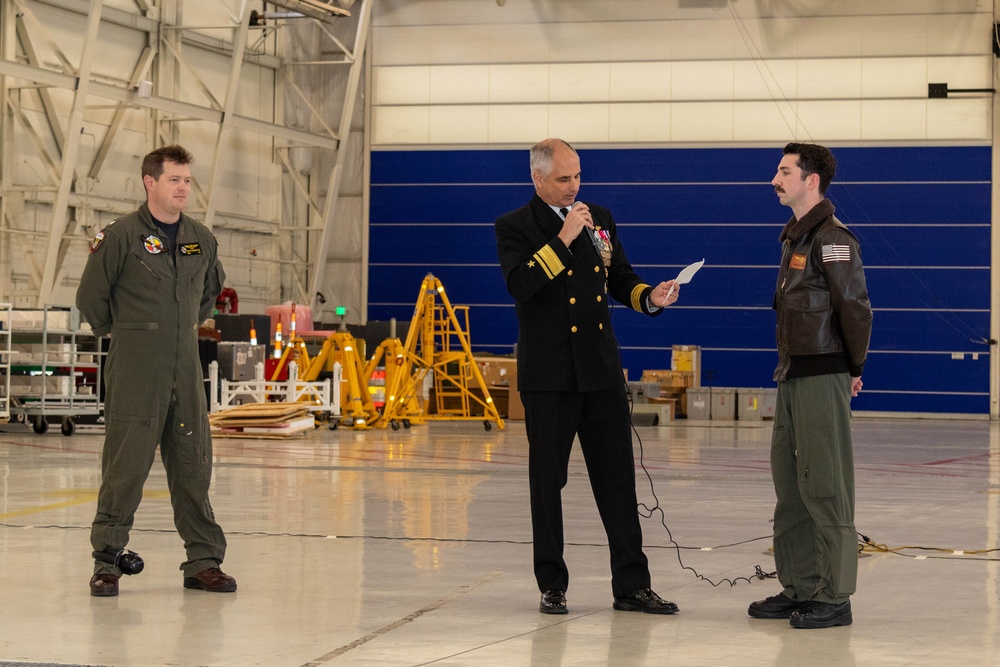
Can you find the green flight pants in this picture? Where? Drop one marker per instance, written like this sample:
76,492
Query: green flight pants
143,411
812,465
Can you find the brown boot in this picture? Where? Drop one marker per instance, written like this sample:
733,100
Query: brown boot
213,579
104,585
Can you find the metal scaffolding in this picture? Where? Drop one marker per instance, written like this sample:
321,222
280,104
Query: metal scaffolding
54,97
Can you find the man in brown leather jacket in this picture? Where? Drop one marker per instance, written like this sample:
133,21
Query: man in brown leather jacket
824,326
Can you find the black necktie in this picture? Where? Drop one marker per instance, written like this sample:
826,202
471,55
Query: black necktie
564,211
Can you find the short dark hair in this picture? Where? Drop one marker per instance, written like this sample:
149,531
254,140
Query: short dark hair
814,159
152,164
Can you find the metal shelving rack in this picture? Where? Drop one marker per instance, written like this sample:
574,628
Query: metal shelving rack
58,369
5,355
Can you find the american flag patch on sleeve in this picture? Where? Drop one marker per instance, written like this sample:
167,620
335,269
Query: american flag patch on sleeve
836,253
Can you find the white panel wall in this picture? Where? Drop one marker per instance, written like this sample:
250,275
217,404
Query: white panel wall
635,71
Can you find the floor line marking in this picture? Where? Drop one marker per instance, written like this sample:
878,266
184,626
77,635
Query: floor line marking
76,498
318,662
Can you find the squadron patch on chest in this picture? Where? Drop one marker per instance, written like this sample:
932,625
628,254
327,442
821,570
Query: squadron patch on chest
153,244
190,248
96,243
797,262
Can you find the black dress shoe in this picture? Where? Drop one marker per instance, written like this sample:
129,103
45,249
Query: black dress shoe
553,602
645,600
213,579
776,606
104,585
822,615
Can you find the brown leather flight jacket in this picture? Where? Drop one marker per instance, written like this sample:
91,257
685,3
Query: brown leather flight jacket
821,297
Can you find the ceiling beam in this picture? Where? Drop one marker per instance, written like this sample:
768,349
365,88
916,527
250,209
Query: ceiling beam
184,109
131,20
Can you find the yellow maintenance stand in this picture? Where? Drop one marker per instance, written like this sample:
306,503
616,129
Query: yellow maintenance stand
407,410
435,342
356,404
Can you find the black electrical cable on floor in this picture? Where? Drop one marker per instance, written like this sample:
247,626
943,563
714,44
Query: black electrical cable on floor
864,541
648,512
326,536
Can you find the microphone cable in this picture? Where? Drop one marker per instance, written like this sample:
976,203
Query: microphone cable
647,512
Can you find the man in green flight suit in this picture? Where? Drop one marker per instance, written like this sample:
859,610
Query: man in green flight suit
151,279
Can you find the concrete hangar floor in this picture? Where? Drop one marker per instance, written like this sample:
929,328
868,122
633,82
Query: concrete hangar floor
412,547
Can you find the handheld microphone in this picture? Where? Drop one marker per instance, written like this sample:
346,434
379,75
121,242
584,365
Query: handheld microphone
591,235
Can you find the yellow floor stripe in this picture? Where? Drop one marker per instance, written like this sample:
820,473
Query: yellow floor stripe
75,498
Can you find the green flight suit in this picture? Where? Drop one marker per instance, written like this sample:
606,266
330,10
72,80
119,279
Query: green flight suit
152,303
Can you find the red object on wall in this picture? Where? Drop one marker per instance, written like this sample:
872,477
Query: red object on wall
227,301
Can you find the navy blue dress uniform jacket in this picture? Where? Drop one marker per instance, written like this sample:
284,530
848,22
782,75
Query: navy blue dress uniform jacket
565,342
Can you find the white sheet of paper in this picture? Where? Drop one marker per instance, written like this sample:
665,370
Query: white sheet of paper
687,273
685,276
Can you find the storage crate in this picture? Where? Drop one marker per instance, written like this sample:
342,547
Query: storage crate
237,360
699,403
755,404
723,403
641,391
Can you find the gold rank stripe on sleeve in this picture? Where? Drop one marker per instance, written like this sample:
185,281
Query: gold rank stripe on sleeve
637,296
549,261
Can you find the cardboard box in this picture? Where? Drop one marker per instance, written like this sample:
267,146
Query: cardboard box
669,379
515,409
498,371
507,401
500,374
687,358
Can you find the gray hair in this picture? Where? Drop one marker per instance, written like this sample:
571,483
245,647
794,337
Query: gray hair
540,159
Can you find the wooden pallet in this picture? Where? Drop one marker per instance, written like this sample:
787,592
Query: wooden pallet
262,420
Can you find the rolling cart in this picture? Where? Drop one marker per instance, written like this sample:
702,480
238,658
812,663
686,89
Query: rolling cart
55,375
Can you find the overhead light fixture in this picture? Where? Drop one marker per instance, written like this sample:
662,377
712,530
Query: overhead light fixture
941,90
314,9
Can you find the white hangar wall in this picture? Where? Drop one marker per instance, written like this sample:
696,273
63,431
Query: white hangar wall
451,72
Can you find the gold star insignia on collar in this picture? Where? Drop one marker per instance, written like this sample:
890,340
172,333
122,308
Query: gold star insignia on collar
531,264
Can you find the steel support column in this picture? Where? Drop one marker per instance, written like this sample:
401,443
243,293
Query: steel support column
333,188
229,104
73,126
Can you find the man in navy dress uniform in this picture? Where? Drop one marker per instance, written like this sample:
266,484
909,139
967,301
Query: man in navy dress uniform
562,260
